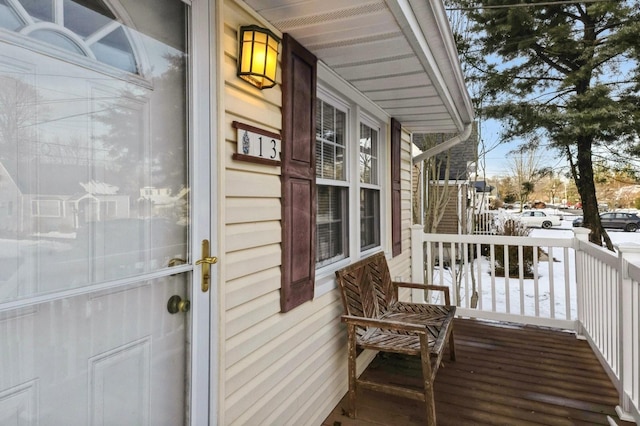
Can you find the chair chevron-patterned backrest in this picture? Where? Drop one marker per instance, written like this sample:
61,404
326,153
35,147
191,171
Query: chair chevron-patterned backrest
366,287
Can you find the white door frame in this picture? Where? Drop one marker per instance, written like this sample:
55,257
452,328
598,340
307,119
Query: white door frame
202,158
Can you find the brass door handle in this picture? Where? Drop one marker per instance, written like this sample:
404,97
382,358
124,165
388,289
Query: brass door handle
209,260
206,262
176,304
176,261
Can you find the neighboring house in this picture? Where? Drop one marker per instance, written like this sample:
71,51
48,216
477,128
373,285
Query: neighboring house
54,199
162,202
483,195
9,202
285,185
454,169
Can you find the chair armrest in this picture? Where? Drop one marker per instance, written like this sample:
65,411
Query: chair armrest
444,289
385,324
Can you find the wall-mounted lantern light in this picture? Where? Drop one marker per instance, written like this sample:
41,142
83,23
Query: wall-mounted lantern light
258,56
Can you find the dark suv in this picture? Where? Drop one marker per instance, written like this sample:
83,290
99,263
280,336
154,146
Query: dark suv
629,222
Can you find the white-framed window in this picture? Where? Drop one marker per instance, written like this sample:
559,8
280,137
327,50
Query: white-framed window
332,225
87,28
109,209
348,177
369,170
46,208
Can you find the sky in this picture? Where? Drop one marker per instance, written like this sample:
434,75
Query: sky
497,158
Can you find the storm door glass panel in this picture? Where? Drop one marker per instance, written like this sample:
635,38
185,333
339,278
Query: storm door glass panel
94,214
93,150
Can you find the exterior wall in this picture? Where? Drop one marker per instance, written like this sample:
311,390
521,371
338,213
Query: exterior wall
454,219
284,369
400,266
9,203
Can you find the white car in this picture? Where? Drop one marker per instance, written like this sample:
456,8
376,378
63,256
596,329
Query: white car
537,218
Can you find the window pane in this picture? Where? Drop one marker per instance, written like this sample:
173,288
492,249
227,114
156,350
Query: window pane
369,218
50,208
57,39
116,51
330,142
332,232
93,168
319,105
8,18
95,29
328,123
319,163
368,155
82,19
340,124
328,161
340,169
39,9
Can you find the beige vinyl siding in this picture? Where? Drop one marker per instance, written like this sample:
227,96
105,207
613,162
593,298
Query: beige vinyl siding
400,266
280,369
449,223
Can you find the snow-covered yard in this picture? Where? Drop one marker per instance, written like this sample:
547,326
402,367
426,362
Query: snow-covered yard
550,293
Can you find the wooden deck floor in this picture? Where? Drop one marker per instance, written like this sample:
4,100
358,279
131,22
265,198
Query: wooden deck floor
504,374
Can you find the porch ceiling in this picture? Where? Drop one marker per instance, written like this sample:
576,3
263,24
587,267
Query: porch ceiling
399,53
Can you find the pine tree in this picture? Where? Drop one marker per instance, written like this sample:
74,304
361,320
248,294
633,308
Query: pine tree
561,74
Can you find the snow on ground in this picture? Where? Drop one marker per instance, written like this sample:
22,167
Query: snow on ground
544,295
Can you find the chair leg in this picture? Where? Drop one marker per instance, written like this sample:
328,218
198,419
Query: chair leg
351,345
452,346
430,404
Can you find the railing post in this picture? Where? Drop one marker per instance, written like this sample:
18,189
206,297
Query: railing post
627,253
417,261
580,235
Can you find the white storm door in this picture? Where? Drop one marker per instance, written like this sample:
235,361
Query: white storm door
98,225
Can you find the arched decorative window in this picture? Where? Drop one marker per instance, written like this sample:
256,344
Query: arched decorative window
84,27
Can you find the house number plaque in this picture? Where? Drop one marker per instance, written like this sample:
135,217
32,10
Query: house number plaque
257,145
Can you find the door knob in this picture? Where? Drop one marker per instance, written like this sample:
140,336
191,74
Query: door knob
176,304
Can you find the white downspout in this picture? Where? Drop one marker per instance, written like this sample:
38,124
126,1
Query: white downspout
444,145
437,150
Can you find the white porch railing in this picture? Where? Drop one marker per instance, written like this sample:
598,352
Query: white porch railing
566,283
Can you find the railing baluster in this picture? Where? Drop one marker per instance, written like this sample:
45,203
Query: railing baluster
552,292
521,276
479,274
466,266
567,289
441,261
454,273
492,268
536,283
507,273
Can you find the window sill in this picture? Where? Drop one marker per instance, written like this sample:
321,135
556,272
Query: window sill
326,275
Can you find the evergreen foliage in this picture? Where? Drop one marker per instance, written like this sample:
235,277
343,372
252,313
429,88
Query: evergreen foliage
559,75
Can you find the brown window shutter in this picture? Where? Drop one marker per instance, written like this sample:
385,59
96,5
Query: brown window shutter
396,194
298,174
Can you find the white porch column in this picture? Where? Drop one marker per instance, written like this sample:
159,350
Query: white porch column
628,253
582,236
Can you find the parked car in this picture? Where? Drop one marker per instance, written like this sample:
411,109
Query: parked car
629,222
537,218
